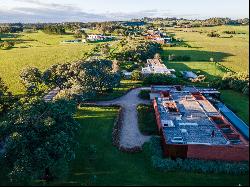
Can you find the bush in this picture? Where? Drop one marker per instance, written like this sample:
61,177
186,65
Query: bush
194,165
144,94
136,75
161,79
213,34
173,57
6,45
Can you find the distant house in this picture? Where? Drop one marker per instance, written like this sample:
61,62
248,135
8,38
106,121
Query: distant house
126,74
189,75
73,41
158,37
155,66
99,37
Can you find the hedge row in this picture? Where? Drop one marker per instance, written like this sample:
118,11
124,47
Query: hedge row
194,165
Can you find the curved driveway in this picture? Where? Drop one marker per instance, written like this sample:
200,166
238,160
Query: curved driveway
130,134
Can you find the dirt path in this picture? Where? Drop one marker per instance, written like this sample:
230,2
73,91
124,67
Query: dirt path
130,134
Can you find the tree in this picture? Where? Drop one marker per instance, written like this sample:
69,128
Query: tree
40,139
6,45
5,97
57,75
136,75
31,78
80,34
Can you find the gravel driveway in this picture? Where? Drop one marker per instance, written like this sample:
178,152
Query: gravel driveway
130,135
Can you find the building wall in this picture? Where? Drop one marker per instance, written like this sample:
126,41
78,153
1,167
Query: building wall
229,152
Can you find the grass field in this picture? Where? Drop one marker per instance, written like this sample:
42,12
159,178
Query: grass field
146,120
124,87
237,102
36,50
230,52
103,164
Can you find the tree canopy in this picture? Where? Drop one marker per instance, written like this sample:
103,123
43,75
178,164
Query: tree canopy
39,139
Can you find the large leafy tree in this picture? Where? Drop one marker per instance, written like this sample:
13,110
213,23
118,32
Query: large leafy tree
57,75
5,97
31,78
39,139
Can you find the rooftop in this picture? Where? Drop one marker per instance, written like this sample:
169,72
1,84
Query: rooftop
185,117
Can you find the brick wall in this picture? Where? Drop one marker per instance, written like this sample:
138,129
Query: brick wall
229,152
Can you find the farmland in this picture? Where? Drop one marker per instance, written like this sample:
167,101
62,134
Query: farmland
36,50
230,52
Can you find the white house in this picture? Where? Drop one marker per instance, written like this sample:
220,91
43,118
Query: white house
155,66
98,37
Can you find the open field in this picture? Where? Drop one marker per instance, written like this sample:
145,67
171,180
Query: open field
36,50
230,52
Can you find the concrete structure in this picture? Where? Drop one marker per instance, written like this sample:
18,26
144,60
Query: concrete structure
191,127
49,97
155,66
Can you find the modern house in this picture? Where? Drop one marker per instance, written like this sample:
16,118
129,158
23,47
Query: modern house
191,127
155,66
158,37
99,37
189,75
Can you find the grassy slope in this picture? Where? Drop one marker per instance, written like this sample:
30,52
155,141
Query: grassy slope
112,167
37,50
231,52
237,102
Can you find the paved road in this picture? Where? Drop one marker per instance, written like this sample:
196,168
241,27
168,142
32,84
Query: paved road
130,134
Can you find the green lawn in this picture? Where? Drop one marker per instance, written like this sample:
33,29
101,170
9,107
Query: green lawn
125,86
237,102
146,119
37,50
231,52
103,164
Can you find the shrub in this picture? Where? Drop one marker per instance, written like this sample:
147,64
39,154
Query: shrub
6,45
136,75
213,34
173,57
144,94
161,79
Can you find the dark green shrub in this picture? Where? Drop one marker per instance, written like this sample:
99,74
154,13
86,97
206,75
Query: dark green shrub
136,75
144,94
161,79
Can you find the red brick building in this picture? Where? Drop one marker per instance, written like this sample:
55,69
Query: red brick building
191,127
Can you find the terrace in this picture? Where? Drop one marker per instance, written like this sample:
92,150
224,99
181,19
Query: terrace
184,117
187,117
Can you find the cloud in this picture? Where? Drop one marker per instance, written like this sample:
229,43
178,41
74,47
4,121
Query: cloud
53,12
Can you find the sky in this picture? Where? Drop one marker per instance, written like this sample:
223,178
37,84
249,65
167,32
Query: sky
107,10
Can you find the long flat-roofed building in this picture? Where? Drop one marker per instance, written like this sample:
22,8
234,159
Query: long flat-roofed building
191,127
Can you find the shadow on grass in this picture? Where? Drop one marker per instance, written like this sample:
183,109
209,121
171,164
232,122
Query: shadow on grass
197,55
210,76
